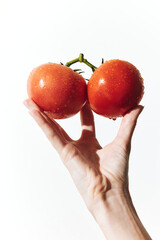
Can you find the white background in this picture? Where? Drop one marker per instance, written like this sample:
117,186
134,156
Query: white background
37,197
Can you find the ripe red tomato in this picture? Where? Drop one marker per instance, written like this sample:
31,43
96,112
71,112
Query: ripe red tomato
115,88
57,90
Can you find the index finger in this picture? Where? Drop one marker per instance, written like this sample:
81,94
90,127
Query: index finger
51,130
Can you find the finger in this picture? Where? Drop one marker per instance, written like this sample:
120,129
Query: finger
87,119
127,126
31,105
51,133
50,128
65,135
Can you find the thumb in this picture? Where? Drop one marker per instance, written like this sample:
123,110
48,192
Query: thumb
127,126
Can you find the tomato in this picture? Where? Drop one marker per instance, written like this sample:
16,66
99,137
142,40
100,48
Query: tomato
57,90
115,88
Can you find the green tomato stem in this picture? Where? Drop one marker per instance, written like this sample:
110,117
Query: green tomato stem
81,59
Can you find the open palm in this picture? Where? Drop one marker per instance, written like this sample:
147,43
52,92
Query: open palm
95,170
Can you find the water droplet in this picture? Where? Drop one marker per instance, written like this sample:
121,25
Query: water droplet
114,118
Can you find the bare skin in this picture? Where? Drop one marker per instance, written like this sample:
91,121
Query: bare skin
100,174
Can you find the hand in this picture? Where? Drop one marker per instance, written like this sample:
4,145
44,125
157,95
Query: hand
100,174
97,172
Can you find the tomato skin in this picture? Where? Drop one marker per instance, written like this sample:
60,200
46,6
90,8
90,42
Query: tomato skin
57,90
115,88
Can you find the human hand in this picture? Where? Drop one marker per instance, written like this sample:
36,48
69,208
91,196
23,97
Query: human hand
97,172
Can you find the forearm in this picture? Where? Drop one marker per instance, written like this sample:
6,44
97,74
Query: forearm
118,219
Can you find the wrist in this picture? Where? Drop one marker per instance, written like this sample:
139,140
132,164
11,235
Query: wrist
109,206
117,217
